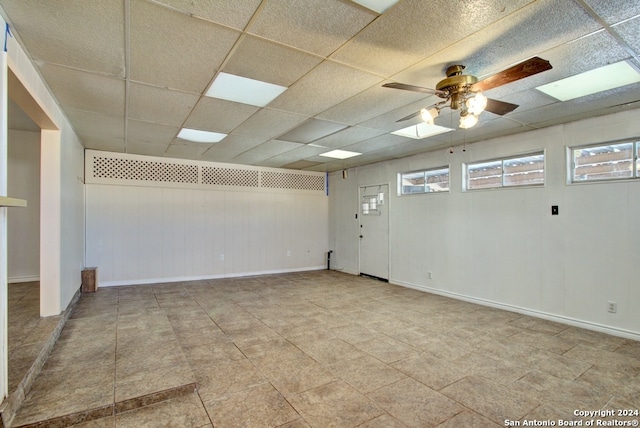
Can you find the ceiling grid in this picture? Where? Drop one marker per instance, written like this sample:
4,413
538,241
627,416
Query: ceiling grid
130,74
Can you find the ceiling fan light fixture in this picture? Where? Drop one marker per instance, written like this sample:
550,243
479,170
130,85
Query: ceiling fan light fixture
476,103
468,120
429,115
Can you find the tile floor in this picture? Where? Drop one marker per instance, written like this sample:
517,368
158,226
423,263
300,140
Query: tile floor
27,332
319,349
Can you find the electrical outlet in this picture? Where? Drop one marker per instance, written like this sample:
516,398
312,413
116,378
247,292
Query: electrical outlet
221,256
288,253
429,275
613,307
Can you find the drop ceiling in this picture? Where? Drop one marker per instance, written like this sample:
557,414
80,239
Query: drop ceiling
130,74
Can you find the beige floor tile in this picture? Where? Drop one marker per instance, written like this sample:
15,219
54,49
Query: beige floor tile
415,404
468,418
432,371
383,421
331,351
221,379
366,374
298,375
491,399
183,412
387,349
335,404
260,406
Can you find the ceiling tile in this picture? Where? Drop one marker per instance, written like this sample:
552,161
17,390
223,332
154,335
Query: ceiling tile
85,91
270,62
102,142
268,123
370,103
328,84
186,150
377,143
213,114
615,11
311,130
238,143
157,105
275,147
234,14
71,33
217,154
250,158
317,26
88,123
176,51
146,148
348,136
148,132
630,34
415,29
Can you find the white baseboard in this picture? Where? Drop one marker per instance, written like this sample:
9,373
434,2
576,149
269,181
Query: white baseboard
17,279
614,331
203,277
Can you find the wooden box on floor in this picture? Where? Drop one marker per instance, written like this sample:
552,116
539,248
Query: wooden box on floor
90,280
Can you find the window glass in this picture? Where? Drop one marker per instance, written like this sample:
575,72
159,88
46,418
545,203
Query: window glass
524,171
437,180
427,181
413,183
606,162
484,175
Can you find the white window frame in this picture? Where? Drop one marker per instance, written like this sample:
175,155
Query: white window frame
502,160
571,163
426,171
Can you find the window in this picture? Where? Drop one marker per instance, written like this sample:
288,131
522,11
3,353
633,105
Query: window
432,180
509,172
605,162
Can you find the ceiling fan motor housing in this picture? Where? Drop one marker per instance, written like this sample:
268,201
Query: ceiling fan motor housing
455,85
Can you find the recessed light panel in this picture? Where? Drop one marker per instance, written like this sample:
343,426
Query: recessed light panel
591,82
198,136
421,130
379,6
244,90
340,154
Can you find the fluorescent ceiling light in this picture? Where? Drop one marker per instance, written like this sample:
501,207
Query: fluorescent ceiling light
590,82
340,154
421,130
244,90
198,136
379,6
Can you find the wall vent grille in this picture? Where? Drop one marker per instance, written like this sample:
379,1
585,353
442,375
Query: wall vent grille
131,169
229,176
286,180
121,168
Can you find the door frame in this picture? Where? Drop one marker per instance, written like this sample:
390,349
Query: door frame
388,204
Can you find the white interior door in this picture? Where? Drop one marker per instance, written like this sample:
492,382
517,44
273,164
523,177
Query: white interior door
374,231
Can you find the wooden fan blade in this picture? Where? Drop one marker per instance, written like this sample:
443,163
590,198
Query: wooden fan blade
411,116
412,88
526,68
499,107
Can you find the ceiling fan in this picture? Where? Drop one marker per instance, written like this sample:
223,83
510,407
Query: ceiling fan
464,92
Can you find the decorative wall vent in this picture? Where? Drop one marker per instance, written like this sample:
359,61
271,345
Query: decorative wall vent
229,176
130,169
287,180
135,170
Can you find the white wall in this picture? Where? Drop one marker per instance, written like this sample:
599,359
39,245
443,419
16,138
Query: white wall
23,225
154,234
502,247
61,187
